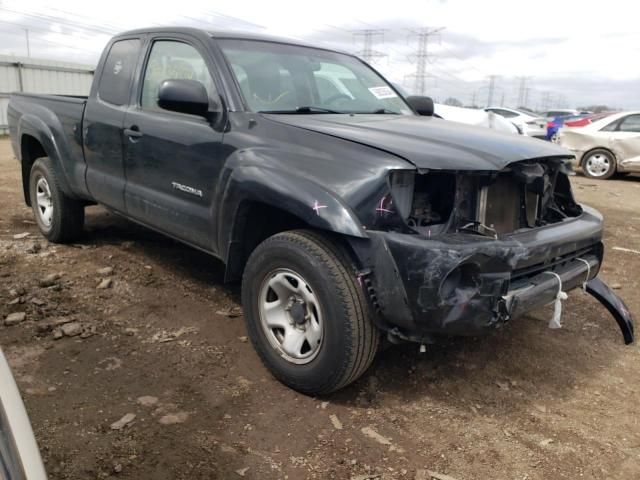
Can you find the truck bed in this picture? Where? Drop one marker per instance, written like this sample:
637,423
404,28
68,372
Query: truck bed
62,116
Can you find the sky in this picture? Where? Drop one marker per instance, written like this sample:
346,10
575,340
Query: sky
570,53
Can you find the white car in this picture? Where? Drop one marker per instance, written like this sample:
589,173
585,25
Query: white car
531,125
472,116
562,112
606,146
19,455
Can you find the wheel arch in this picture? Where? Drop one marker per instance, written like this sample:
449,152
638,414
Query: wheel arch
255,221
38,140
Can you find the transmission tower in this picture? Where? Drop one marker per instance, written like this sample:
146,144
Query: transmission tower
369,35
492,89
421,56
523,91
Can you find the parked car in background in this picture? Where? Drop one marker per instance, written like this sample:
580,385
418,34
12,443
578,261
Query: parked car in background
580,120
605,146
472,116
19,455
583,121
554,124
529,124
561,112
469,116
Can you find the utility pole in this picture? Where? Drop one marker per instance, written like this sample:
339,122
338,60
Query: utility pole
473,98
368,35
26,31
492,89
421,56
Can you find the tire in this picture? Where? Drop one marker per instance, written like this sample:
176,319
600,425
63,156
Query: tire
59,218
340,336
599,164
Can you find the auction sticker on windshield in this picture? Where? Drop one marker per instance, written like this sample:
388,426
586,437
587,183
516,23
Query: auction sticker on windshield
382,92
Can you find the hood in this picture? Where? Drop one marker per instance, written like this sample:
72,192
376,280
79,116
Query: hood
428,142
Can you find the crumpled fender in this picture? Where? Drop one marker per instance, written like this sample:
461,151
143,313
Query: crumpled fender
312,203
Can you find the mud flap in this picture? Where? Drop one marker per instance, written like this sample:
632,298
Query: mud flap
601,291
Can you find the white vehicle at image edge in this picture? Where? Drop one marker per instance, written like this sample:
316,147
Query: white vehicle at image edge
472,116
530,124
605,146
19,455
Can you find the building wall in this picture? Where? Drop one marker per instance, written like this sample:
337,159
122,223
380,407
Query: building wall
22,74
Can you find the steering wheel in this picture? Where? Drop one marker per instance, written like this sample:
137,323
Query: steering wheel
336,97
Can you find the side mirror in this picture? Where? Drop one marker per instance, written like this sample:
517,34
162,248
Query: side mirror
184,96
422,105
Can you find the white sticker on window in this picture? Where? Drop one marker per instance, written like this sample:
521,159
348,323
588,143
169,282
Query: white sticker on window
382,92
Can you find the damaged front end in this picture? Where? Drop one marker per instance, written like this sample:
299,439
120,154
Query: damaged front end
464,252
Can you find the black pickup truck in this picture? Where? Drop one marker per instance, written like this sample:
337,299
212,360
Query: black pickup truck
350,213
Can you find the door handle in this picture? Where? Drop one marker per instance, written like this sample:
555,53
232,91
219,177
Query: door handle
133,132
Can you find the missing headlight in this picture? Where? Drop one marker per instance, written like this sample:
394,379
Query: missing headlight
423,200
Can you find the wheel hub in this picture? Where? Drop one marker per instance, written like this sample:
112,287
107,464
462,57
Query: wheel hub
44,202
598,165
290,316
298,311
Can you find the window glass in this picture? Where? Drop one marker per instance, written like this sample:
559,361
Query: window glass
275,77
630,123
611,127
119,66
171,60
506,113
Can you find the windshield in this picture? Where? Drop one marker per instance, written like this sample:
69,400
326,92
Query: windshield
280,78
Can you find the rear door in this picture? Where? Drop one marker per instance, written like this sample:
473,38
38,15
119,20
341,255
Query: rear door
103,122
173,160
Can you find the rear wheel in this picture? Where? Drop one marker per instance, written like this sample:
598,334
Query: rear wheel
59,218
599,163
305,313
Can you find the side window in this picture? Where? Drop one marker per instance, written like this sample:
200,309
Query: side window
611,126
504,113
173,60
119,66
630,123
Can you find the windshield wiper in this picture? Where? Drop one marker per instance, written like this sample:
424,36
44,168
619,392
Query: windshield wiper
384,110
303,109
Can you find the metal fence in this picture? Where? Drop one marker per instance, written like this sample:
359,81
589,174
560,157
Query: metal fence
22,74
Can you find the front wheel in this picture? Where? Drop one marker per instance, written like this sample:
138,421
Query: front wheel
306,314
599,163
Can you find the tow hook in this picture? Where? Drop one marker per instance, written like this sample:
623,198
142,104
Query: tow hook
601,291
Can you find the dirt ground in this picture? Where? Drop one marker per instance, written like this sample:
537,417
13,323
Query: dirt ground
524,403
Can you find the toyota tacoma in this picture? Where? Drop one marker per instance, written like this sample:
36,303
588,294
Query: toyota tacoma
350,214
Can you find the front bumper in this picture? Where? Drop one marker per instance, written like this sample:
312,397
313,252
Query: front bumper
414,287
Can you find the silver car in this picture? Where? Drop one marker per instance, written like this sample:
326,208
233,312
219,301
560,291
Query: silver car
19,455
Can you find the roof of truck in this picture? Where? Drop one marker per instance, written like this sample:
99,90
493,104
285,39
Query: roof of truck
228,34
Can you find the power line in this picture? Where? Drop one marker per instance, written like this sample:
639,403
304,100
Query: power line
421,56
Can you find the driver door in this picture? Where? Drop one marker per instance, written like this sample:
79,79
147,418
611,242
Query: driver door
173,160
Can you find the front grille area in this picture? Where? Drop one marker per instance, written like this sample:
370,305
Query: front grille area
556,263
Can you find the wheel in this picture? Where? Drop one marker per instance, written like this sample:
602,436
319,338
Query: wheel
59,218
306,314
599,163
